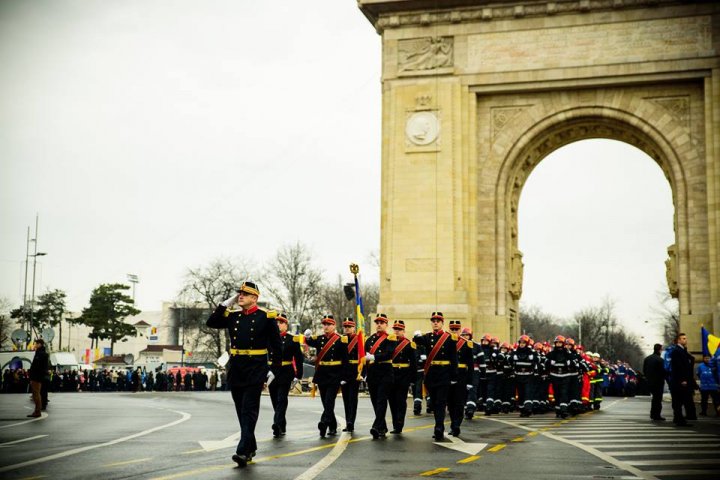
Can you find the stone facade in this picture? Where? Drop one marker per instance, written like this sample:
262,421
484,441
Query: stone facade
476,94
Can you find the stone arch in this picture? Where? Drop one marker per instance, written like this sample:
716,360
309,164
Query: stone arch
669,148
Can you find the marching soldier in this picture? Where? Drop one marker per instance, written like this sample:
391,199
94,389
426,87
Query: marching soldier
559,365
476,394
380,347
440,368
404,367
524,360
287,373
597,380
539,381
576,380
351,388
330,363
458,392
252,333
492,359
507,394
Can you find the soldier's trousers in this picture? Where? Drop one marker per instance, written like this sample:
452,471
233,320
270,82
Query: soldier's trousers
574,389
438,397
350,400
561,387
482,392
471,404
524,391
279,397
247,407
328,394
417,390
492,399
508,393
398,402
379,397
457,395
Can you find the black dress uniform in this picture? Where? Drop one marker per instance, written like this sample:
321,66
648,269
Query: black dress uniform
478,390
288,368
404,372
328,374
457,395
253,334
420,357
351,387
380,376
440,373
492,359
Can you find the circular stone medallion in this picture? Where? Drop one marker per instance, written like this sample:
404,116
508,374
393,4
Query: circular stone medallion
422,128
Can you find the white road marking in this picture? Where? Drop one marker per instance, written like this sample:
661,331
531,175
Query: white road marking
43,416
227,442
328,459
3,445
602,456
457,444
185,417
682,461
658,449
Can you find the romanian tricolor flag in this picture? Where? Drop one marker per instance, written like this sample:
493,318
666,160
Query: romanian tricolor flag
709,342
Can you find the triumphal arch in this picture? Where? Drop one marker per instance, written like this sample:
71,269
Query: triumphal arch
477,93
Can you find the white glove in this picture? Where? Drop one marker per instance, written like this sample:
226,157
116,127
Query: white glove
294,383
369,357
229,301
469,387
423,358
342,382
307,332
417,333
453,382
270,378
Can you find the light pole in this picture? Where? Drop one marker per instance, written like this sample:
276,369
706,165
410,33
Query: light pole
32,298
134,279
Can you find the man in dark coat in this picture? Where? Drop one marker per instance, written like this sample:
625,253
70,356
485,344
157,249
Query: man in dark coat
682,382
253,336
38,371
654,371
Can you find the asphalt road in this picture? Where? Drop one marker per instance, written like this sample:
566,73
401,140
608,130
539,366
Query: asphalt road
192,435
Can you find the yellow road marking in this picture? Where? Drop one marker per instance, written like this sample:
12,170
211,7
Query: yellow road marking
497,447
518,439
117,464
434,472
33,478
532,434
469,459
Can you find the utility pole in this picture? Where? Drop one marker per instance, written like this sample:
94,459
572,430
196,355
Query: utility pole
32,297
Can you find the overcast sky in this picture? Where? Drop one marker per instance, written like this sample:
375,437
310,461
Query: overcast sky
152,136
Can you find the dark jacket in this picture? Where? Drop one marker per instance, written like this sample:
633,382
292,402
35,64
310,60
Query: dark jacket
445,366
682,367
252,330
291,364
329,371
654,370
404,363
39,366
382,346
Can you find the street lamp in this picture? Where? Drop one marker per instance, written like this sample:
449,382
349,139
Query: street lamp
32,298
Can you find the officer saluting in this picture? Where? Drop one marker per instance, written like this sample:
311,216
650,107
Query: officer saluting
380,347
440,368
253,334
287,373
330,363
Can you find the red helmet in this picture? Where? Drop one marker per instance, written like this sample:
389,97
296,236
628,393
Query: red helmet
580,347
569,341
495,340
524,339
539,346
560,339
466,331
487,337
505,345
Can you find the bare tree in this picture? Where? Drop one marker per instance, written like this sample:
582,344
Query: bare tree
541,326
294,283
667,312
6,325
204,287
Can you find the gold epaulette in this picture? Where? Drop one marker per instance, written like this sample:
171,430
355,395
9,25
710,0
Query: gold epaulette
470,343
344,339
299,339
314,337
454,337
271,314
228,312
412,344
392,337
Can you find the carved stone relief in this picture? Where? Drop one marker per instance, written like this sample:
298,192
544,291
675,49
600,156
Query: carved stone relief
678,107
516,274
671,272
427,53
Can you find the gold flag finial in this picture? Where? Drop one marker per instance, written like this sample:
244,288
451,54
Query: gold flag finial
354,268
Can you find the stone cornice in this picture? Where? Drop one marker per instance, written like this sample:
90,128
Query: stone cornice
417,13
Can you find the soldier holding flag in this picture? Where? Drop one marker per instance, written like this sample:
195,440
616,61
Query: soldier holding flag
380,347
351,376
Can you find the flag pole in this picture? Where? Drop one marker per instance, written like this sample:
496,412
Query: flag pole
359,318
